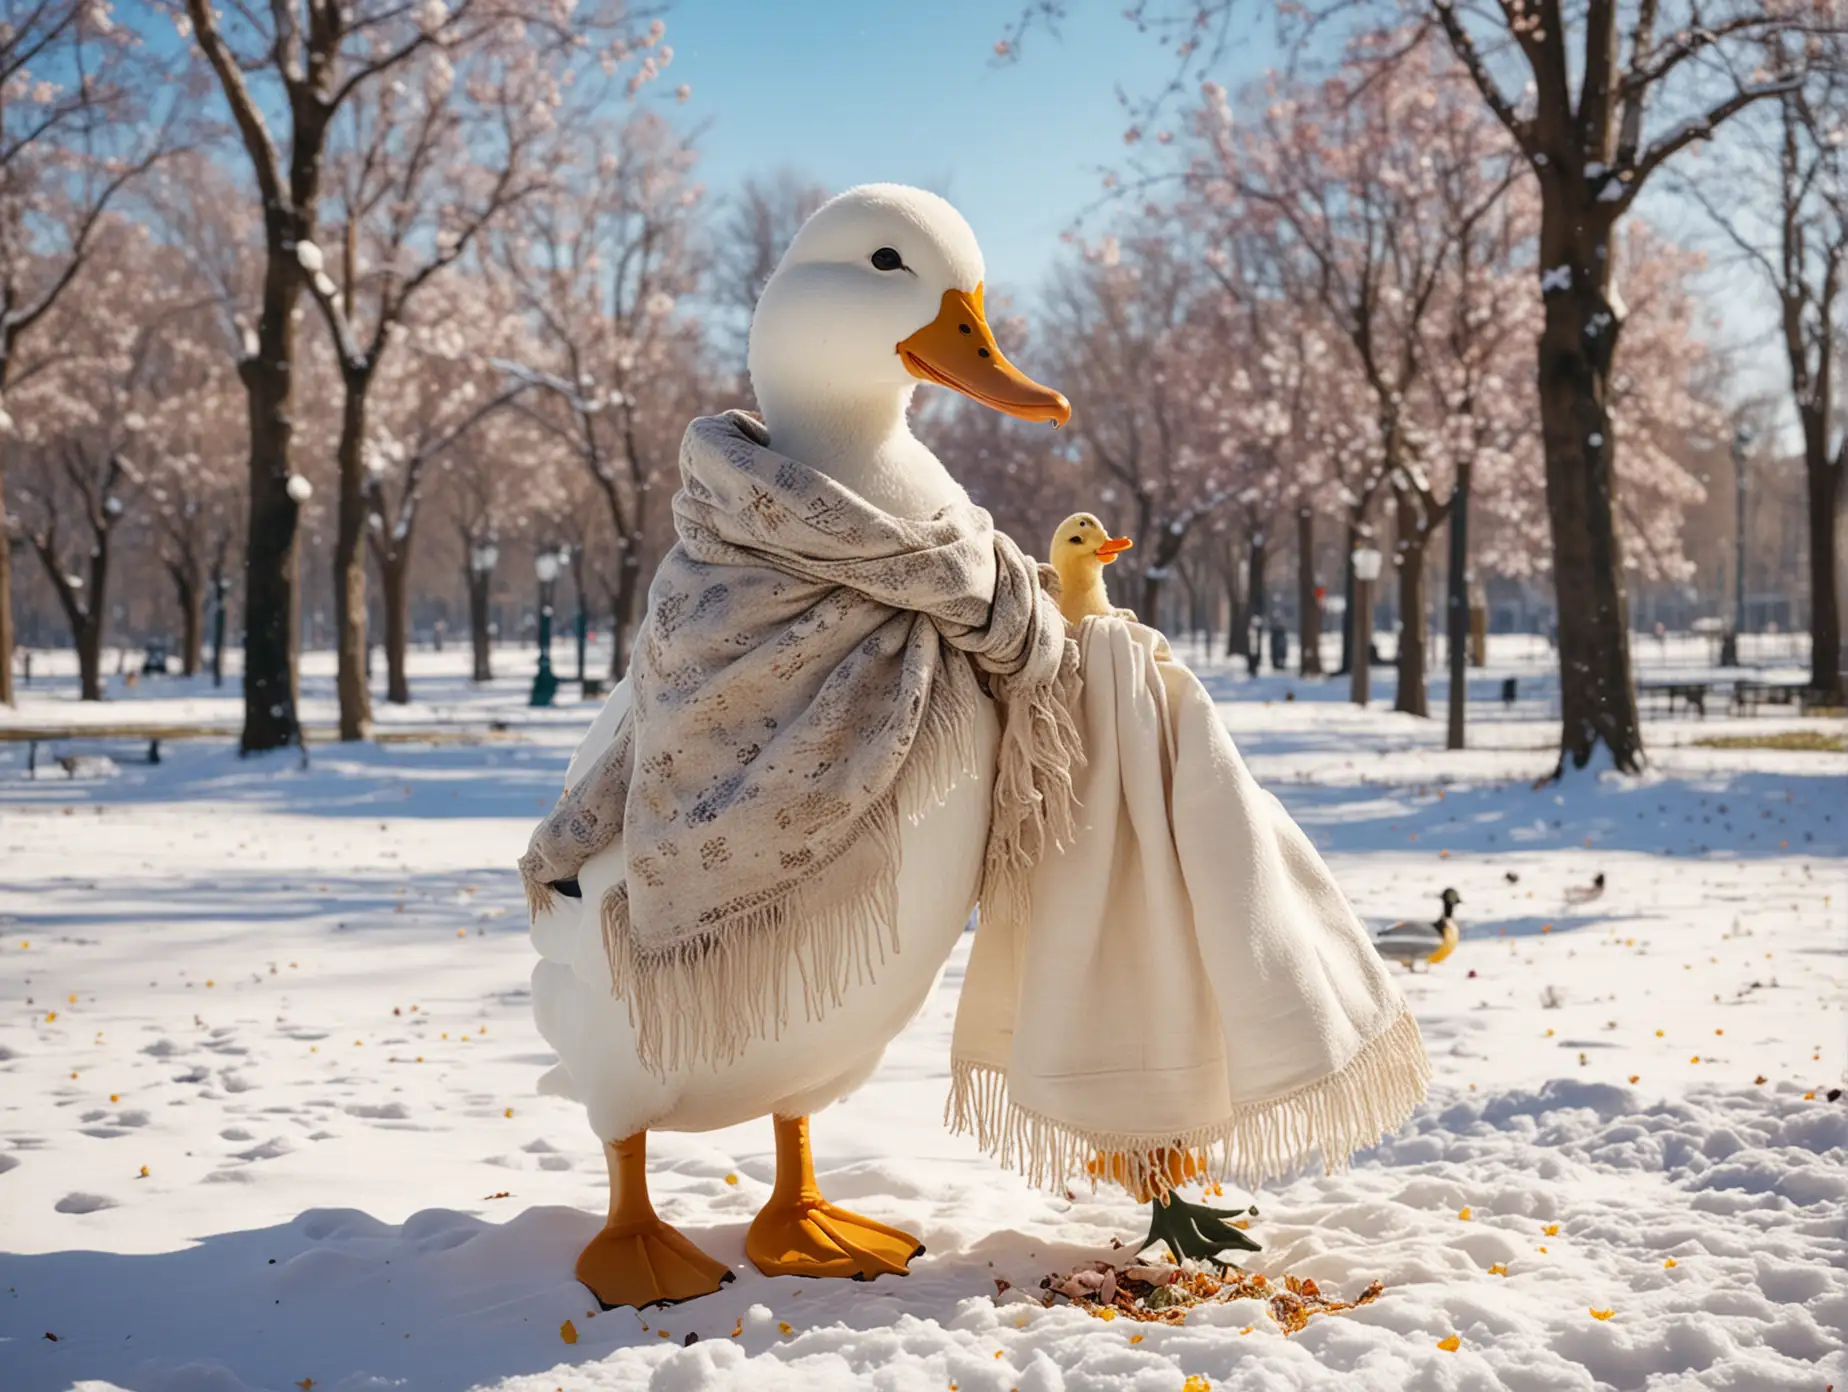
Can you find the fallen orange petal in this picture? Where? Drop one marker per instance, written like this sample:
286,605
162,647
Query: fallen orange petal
1450,1345
1602,1314
568,1332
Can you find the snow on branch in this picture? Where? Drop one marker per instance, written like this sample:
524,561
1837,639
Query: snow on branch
558,386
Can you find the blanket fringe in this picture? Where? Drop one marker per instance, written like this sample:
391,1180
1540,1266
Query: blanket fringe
1347,1111
706,999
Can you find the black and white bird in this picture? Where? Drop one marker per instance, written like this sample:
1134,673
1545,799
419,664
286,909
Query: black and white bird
1411,943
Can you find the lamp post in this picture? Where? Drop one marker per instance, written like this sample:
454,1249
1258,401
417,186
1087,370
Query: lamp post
545,684
1366,562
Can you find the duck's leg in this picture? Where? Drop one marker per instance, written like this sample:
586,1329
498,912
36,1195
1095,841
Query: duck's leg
637,1259
799,1233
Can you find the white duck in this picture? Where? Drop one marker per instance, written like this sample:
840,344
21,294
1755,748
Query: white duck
881,288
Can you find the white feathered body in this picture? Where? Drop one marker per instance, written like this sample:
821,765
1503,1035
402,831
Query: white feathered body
813,1062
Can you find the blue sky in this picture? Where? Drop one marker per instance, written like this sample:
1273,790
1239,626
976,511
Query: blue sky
908,91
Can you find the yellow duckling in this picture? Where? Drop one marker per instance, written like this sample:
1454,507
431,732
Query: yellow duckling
1080,550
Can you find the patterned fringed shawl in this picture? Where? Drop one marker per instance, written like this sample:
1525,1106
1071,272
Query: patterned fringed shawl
804,668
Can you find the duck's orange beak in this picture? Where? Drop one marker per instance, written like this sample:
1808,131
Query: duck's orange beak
1112,548
957,350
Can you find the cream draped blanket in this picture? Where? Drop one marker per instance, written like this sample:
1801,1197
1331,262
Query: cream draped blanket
806,673
1189,976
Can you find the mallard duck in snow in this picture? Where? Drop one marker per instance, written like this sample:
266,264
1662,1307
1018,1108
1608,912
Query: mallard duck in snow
1411,943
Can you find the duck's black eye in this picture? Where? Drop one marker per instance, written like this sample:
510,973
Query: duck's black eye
887,259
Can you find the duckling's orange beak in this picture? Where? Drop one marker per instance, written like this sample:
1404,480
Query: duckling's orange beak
957,350
1112,548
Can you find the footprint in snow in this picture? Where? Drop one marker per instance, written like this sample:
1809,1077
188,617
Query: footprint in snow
269,1150
83,1203
378,1111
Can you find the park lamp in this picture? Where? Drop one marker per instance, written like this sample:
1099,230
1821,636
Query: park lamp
545,565
1366,564
484,558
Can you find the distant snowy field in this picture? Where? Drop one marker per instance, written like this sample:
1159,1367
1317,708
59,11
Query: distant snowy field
268,1118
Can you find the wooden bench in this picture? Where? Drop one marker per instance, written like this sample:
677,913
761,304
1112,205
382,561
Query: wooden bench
1749,695
1693,693
57,737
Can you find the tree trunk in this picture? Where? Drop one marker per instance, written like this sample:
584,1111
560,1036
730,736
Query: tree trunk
1254,599
1577,351
622,608
1308,607
272,691
350,566
6,601
1148,608
1411,542
397,598
191,594
1457,610
1823,477
478,583
221,589
89,640
1349,614
1238,624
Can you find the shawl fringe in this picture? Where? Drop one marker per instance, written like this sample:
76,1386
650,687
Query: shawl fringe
1335,1116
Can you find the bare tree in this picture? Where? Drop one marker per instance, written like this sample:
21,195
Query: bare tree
1372,179
599,261
80,120
417,168
1129,333
439,397
306,61
1592,72
1794,237
1584,139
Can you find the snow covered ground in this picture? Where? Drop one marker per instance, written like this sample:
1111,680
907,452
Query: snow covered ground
268,1119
